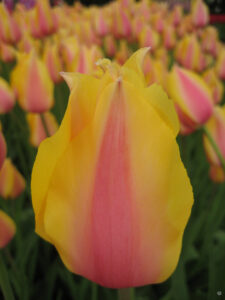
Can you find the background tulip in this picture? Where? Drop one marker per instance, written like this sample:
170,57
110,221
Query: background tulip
114,198
12,183
193,99
7,229
2,147
7,97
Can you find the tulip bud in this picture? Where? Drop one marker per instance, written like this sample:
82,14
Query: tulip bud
216,128
169,37
220,64
188,52
110,45
214,84
7,97
7,229
7,52
113,197
123,52
209,40
52,61
32,84
37,130
158,22
200,13
177,15
101,25
12,183
192,97
2,148
149,38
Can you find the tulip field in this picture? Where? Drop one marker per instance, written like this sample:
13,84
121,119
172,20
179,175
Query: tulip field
112,151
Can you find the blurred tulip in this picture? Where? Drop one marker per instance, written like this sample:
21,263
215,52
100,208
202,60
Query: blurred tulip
158,22
7,229
176,15
188,52
7,97
214,84
101,26
200,13
209,40
169,37
12,183
138,24
52,61
37,129
9,29
149,38
113,197
192,97
216,128
220,64
7,52
121,25
2,148
32,83
69,51
123,52
110,45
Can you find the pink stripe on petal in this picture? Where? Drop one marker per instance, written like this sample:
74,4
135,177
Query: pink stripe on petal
113,236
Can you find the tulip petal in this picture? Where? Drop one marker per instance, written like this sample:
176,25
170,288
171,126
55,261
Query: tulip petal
164,106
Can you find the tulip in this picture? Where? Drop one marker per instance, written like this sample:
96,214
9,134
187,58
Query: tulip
149,38
32,83
7,229
158,22
7,97
177,15
188,52
52,61
220,64
110,45
37,129
2,148
209,40
113,197
101,25
200,13
169,37
12,183
216,128
214,84
192,97
7,52
123,52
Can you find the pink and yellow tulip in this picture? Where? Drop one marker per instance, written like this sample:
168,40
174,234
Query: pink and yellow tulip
7,229
220,64
215,85
192,97
7,97
113,197
200,13
37,129
12,183
216,128
32,83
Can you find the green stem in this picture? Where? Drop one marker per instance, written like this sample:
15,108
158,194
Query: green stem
4,281
215,147
94,288
44,125
126,294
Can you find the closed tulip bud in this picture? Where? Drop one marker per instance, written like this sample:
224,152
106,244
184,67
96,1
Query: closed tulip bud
69,51
216,128
188,52
138,24
162,54
199,13
7,229
220,64
176,15
12,183
114,198
192,97
215,85
32,83
53,61
101,26
45,18
7,52
149,38
209,41
169,37
9,29
7,97
37,129
2,148
110,45
121,25
158,22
